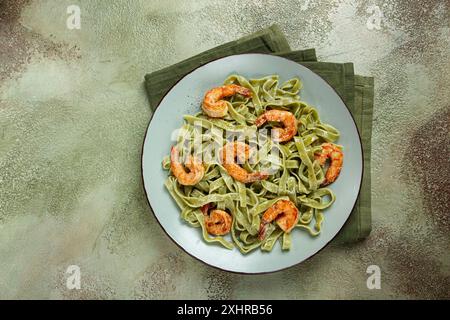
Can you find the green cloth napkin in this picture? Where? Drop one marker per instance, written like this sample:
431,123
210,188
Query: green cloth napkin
356,91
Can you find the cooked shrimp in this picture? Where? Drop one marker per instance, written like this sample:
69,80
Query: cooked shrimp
284,212
212,104
195,169
286,118
336,156
217,222
241,151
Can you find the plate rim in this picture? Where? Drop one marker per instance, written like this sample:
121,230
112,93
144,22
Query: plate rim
218,267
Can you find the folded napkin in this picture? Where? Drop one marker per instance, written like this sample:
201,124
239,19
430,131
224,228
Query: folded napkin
355,90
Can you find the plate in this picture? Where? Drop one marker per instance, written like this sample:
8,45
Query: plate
185,98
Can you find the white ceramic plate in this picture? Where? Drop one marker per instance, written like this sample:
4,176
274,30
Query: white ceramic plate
185,98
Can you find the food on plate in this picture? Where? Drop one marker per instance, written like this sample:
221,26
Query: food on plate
254,164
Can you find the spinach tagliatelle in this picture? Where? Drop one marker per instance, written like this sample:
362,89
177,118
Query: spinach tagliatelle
295,174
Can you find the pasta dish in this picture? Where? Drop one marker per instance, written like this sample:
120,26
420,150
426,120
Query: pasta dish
254,164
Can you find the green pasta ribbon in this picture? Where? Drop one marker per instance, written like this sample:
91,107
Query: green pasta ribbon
295,175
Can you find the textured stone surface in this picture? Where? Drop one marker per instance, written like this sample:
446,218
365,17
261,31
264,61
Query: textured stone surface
73,113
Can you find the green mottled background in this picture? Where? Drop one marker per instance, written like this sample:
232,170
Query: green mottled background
73,113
